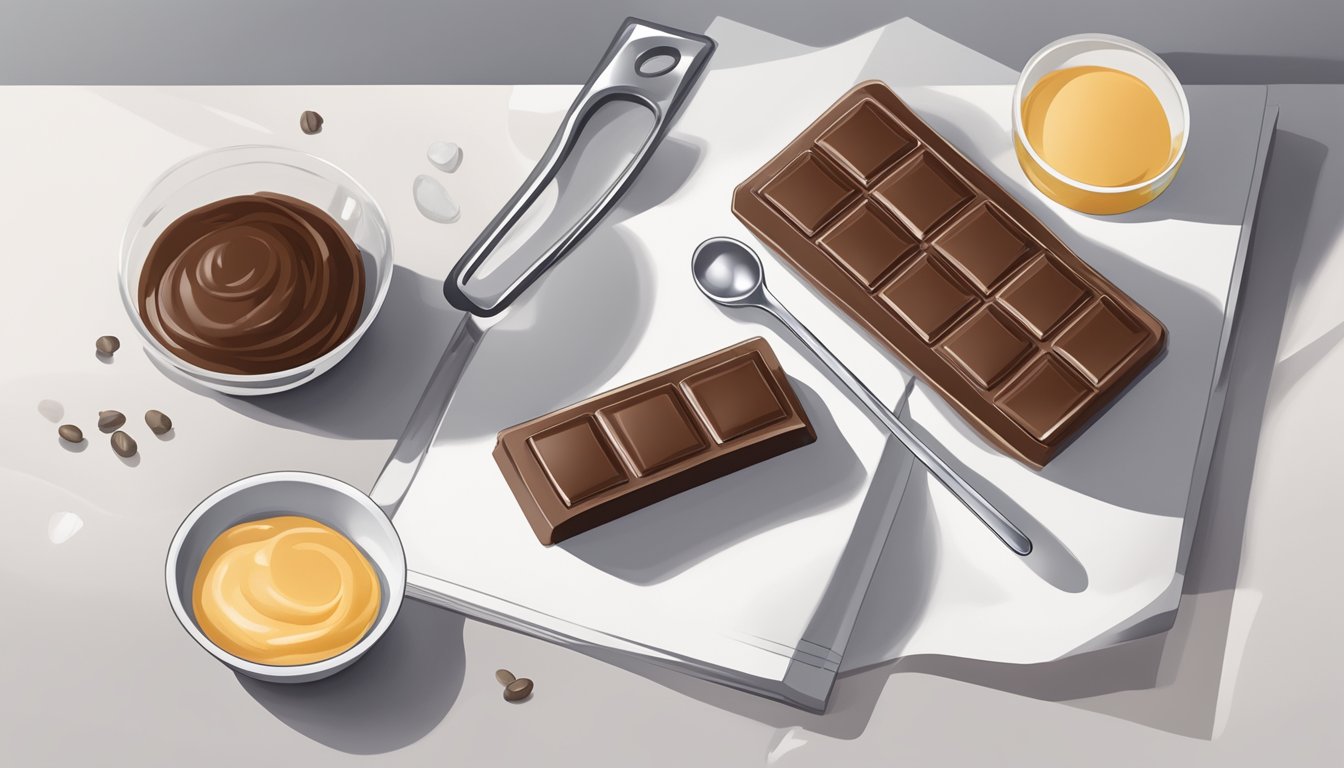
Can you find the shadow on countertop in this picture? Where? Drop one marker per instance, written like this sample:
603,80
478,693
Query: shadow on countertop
398,692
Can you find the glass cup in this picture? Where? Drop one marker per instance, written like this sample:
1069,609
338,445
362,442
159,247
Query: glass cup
1112,53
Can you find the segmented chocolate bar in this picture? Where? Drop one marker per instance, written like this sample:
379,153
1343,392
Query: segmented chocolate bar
597,460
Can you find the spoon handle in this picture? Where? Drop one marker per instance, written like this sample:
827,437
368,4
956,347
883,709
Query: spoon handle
1002,527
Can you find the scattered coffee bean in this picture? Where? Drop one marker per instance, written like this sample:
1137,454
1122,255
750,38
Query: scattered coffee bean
518,690
158,421
310,122
107,345
123,444
504,676
110,420
70,433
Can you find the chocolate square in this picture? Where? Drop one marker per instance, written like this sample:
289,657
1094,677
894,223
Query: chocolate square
927,296
808,192
577,460
1042,295
867,243
984,245
735,398
867,141
653,429
922,192
987,346
1100,340
1044,397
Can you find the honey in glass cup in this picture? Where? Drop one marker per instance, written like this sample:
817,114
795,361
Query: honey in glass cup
1100,124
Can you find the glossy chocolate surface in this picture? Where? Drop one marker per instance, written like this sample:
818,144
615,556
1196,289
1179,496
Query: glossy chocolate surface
252,284
612,454
949,272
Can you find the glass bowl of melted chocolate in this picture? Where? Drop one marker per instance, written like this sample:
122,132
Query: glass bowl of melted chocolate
252,270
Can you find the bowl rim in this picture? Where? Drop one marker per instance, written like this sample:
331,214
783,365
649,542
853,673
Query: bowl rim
210,377
272,671
1114,42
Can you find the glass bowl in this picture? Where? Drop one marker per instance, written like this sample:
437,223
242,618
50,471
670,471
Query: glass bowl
1113,53
244,170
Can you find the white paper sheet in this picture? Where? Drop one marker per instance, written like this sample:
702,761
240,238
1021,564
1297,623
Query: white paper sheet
737,581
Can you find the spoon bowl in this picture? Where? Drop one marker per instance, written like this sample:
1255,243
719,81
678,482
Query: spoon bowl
728,272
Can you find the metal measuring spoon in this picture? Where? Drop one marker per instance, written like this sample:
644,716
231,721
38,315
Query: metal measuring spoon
730,274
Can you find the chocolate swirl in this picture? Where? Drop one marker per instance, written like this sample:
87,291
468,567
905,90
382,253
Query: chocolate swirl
252,284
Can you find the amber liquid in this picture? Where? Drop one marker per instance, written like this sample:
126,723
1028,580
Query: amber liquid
1098,126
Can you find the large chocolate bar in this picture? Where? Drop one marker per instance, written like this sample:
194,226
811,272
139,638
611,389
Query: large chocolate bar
590,463
939,263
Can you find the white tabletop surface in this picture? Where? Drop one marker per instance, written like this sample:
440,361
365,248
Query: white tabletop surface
92,664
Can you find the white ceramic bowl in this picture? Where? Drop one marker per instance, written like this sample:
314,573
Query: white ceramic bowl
222,173
1114,53
330,502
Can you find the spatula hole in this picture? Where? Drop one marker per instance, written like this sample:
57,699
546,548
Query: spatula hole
657,61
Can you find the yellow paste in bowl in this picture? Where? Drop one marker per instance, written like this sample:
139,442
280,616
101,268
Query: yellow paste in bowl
285,591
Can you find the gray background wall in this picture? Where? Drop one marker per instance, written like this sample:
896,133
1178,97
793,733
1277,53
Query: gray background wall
498,41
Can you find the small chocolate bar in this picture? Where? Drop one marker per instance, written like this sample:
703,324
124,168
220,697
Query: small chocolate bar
950,273
595,461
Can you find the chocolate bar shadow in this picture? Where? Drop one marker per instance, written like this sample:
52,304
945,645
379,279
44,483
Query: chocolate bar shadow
398,692
663,540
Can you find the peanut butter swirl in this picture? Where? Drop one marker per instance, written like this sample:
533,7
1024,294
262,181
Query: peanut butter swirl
252,284
285,590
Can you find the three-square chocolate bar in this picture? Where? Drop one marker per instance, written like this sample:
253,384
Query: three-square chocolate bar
607,456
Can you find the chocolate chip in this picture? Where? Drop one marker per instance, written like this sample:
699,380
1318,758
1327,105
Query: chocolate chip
518,690
504,676
110,420
106,345
310,122
123,444
70,433
158,421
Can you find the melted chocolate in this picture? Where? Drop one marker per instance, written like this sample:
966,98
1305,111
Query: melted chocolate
252,284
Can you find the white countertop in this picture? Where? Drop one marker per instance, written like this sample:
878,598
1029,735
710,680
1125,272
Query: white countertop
94,665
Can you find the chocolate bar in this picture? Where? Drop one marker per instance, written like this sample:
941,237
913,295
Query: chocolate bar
943,267
597,460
